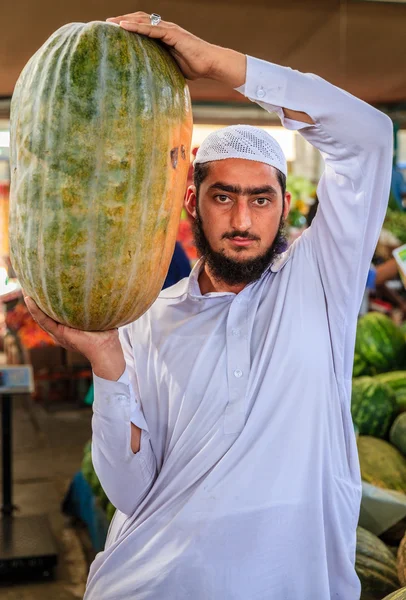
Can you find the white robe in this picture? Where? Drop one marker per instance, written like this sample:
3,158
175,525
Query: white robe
247,484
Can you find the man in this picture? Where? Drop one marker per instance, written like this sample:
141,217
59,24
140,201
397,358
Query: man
222,428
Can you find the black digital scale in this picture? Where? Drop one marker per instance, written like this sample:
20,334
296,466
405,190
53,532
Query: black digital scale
27,546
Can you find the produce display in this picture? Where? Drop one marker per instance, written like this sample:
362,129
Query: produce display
401,561
101,125
397,381
378,408
380,343
360,366
381,463
397,434
373,406
398,595
375,566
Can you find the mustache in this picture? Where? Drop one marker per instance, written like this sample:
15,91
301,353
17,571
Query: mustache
239,234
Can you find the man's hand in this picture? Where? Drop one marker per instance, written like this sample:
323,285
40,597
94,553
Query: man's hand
195,57
101,348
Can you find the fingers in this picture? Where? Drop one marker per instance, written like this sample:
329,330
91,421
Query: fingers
45,322
152,31
130,17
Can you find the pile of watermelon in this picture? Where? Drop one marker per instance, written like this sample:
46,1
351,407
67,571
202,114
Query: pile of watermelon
379,384
90,475
380,345
378,408
381,561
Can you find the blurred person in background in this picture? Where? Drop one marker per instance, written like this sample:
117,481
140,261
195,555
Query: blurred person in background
398,189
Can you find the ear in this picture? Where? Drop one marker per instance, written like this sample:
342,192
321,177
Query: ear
191,201
286,207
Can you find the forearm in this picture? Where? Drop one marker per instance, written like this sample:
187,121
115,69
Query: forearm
385,271
231,69
109,365
125,477
345,125
122,453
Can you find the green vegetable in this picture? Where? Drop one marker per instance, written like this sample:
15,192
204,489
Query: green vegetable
373,406
397,434
380,343
375,566
398,595
397,381
381,464
101,125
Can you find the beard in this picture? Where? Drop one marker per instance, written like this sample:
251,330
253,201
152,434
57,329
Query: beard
236,272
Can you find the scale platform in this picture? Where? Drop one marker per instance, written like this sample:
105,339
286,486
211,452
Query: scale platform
27,547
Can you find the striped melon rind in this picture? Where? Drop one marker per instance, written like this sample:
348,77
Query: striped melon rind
398,595
101,125
397,381
380,343
373,406
381,464
397,434
375,566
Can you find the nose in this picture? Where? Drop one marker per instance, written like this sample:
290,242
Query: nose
241,216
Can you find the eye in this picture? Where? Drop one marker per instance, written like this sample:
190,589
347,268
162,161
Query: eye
221,198
262,201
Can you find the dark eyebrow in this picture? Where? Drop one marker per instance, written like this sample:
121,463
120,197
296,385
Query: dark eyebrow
237,189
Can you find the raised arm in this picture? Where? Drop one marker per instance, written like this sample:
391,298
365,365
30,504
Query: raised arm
197,58
354,139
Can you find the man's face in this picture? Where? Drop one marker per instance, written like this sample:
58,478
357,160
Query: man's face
239,217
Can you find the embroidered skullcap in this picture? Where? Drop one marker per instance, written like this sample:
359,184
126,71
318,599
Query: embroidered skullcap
242,141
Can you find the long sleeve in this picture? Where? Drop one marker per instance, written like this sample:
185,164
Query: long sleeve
125,477
355,141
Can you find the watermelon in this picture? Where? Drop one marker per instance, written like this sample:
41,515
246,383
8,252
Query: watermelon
101,125
375,566
360,366
401,561
397,381
373,406
380,343
397,434
398,595
381,464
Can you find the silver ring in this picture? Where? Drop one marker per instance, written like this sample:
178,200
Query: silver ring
155,19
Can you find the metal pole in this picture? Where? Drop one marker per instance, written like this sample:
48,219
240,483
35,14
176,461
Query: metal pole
7,442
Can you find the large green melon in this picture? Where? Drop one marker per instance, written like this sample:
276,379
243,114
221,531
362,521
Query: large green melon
381,463
375,566
380,343
397,381
101,125
398,595
397,433
373,406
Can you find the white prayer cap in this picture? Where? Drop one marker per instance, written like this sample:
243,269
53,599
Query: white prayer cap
242,141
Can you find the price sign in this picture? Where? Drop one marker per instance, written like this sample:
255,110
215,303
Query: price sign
16,379
400,257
